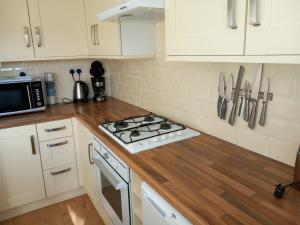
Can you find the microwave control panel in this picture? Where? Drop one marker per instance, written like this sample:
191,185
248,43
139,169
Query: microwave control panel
37,94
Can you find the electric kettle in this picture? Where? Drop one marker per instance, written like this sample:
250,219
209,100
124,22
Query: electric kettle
80,92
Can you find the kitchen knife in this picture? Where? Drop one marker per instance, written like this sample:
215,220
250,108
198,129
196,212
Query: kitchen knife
254,96
221,90
235,100
262,119
226,98
243,100
247,102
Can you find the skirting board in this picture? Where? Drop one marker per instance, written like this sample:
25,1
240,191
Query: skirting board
40,204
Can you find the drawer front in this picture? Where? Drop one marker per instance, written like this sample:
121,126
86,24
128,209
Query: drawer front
54,129
57,152
61,179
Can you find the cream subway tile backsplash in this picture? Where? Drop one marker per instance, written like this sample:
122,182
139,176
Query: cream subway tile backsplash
187,93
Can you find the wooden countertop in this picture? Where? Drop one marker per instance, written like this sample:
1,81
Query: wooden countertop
210,181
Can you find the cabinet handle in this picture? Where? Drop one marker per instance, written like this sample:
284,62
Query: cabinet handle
92,34
38,36
253,11
89,152
231,23
57,144
61,171
33,149
29,96
96,35
26,36
55,129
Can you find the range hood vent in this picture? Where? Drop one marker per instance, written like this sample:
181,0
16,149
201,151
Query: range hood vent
134,9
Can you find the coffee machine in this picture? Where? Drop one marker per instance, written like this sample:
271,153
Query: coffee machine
98,81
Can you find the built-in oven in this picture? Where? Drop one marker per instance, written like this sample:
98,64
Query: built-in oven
20,95
113,184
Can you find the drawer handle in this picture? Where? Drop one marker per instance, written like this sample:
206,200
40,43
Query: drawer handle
32,144
89,153
55,129
61,171
57,144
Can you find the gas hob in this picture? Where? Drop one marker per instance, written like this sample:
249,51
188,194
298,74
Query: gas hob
145,132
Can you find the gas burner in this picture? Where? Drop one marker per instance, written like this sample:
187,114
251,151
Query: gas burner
134,133
120,124
149,118
165,126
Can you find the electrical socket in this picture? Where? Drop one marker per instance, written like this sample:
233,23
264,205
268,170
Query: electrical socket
74,67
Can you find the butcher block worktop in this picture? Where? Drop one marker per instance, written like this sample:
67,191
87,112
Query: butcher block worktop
210,181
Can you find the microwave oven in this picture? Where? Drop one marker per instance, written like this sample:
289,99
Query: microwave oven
21,95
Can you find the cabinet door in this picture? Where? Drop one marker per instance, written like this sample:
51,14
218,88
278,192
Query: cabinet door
58,27
21,179
103,37
15,38
205,27
277,27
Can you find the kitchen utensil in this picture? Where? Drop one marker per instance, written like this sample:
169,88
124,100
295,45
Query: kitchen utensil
243,101
254,96
221,90
262,119
227,97
235,100
247,102
80,91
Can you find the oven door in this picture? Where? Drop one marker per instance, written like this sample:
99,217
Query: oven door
114,192
14,97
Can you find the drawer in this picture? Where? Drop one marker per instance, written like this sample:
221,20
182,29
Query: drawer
54,129
61,179
57,152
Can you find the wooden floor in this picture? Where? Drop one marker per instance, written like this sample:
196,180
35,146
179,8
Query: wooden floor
76,211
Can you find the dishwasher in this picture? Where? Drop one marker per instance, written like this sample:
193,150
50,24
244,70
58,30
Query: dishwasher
158,211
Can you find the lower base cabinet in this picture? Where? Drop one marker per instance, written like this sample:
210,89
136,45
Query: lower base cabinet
21,177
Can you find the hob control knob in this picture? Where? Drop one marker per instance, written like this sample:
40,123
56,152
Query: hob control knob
155,139
179,133
164,137
171,135
105,155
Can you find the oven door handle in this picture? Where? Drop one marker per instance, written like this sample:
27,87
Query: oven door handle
110,174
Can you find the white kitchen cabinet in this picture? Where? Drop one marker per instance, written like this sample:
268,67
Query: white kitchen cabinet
277,28
15,38
204,27
58,27
104,38
21,178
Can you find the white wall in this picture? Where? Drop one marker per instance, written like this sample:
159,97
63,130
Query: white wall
187,92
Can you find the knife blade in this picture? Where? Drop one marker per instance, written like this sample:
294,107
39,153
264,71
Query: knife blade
262,120
254,96
247,102
243,101
221,91
226,98
235,99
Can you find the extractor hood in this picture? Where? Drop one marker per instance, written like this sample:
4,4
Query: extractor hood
134,9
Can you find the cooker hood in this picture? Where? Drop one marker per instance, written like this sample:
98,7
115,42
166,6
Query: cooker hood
134,9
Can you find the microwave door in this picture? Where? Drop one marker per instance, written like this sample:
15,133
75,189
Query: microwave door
15,97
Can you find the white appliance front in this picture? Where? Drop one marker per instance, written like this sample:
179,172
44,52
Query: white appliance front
113,192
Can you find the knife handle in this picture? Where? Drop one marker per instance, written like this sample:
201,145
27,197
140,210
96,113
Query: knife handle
252,119
231,120
219,105
223,109
246,110
262,120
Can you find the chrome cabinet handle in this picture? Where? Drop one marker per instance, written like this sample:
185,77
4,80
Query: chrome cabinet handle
61,171
89,153
33,149
96,34
92,34
57,144
29,96
253,13
231,22
55,129
38,36
26,36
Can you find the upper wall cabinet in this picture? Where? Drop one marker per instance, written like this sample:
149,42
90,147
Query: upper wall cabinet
15,37
205,27
273,27
103,37
58,27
